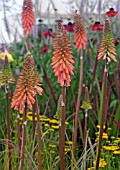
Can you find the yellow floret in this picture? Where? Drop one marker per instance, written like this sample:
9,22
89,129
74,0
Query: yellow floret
117,152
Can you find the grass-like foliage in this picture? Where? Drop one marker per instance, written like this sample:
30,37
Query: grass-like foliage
61,109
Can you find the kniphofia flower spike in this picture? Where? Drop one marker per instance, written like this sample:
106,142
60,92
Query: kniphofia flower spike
27,17
80,39
27,85
107,49
62,60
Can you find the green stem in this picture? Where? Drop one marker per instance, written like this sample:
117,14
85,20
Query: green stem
78,105
8,130
85,150
85,126
33,121
39,137
62,132
103,116
21,164
28,43
18,133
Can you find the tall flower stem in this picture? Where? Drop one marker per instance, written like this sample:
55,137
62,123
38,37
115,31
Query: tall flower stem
33,120
62,131
85,126
21,164
85,150
28,43
18,133
8,130
39,137
103,116
78,104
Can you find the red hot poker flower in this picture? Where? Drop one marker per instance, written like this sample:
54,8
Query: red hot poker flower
27,17
80,39
62,60
111,13
27,85
96,26
106,49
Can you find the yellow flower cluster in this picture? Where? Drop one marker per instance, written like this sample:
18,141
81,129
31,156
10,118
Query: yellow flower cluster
67,149
116,152
69,142
43,119
109,128
53,121
52,146
110,148
57,157
117,140
104,136
55,127
112,137
102,163
52,152
98,126
92,168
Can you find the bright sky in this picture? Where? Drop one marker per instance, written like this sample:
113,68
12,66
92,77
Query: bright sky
15,7
62,6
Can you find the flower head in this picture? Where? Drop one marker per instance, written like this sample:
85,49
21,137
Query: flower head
116,152
44,49
111,13
107,49
80,39
49,33
86,102
102,163
27,17
6,74
27,85
62,60
96,26
6,53
116,42
69,27
110,148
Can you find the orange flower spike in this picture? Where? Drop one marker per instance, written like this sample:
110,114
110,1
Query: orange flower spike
27,85
80,38
27,17
106,48
62,60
